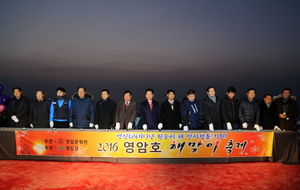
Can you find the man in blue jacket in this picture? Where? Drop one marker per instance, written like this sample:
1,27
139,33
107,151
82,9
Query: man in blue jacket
149,111
59,110
190,112
82,110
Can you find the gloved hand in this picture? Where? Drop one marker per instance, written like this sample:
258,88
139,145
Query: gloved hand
91,125
71,125
118,126
185,128
277,128
145,127
97,126
229,126
245,125
160,126
256,127
180,125
261,128
211,127
51,124
31,125
15,119
129,126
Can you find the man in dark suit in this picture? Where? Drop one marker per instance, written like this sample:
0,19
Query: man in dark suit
18,109
149,111
170,116
126,112
105,112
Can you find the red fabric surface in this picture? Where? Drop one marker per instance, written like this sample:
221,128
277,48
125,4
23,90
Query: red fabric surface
30,175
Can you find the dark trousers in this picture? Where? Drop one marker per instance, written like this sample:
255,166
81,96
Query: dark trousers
61,124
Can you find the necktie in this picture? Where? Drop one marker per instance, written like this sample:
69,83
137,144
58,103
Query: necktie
151,105
126,105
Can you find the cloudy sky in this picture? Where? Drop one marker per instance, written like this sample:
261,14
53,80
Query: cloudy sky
134,45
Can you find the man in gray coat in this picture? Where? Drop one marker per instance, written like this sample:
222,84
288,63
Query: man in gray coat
126,112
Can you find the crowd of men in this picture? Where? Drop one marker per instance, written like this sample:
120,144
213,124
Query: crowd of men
228,113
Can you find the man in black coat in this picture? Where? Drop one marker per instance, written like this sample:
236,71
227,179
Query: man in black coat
268,113
105,112
249,111
170,116
211,110
17,109
229,110
288,110
39,111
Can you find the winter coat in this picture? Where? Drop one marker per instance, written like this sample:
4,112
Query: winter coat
168,117
249,112
291,109
211,113
19,108
229,110
105,114
39,113
190,114
82,112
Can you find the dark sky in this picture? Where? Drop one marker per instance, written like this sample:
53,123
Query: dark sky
134,45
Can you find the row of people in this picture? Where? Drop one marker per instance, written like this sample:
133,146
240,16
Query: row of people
227,113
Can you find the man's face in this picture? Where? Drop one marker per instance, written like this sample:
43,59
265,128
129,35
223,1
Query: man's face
104,95
211,92
191,97
39,95
60,93
17,93
149,95
251,94
127,97
230,94
81,93
268,99
171,96
286,94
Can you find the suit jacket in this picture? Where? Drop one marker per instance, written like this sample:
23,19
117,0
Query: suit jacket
211,113
170,118
148,117
124,116
268,115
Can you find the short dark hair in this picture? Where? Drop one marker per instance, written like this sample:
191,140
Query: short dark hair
149,89
210,88
287,89
231,89
268,95
127,91
61,89
81,87
17,88
105,90
249,89
190,92
171,90
40,91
